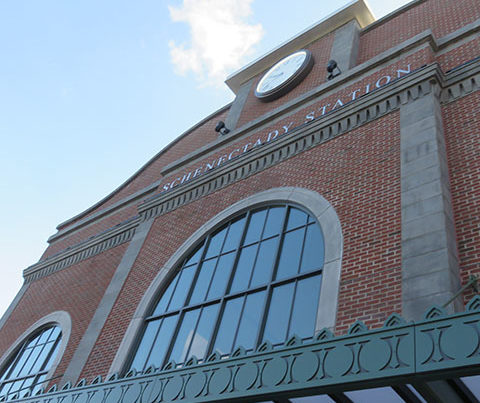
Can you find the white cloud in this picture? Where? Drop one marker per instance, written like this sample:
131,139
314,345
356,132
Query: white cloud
221,38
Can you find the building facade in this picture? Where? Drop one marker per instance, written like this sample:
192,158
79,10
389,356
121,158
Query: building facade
316,240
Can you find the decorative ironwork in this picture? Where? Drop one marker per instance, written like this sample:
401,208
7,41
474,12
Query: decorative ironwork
398,351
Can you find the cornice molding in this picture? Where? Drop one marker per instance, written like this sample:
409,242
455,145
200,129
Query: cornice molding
107,240
353,115
458,83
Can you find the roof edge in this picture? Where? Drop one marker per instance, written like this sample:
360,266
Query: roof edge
356,9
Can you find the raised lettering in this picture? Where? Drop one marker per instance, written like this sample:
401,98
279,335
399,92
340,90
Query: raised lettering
287,127
221,159
230,156
186,177
379,84
310,116
354,94
197,172
210,166
270,138
245,147
401,72
338,103
323,108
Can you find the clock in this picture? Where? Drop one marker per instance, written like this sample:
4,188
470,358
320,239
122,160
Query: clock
284,75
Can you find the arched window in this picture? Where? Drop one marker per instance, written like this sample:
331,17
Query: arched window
255,278
29,366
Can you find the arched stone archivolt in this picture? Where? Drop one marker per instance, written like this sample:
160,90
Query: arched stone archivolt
306,199
59,318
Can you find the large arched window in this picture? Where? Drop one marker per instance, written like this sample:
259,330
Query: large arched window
27,369
255,278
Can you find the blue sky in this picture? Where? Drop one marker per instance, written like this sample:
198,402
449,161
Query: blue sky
91,90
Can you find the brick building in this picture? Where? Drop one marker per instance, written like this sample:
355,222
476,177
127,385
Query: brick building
321,246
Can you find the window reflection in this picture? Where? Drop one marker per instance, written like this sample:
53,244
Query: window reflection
255,278
30,365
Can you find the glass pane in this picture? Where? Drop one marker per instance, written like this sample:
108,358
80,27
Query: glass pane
34,341
375,395
255,227
56,333
228,325
5,373
279,314
313,253
264,263
42,357
296,218
290,255
163,303
15,388
26,370
274,222
244,268
21,362
144,348
420,397
234,235
315,399
221,276
39,383
52,356
44,336
203,281
250,321
162,341
216,242
184,337
305,308
204,331
26,385
196,256
473,383
182,289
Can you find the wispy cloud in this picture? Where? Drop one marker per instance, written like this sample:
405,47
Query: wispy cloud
221,38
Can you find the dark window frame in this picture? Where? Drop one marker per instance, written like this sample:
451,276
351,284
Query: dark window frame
227,295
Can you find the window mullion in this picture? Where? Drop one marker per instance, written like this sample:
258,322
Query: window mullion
291,308
193,335
268,296
153,343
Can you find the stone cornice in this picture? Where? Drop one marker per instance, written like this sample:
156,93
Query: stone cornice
349,117
456,84
323,90
93,246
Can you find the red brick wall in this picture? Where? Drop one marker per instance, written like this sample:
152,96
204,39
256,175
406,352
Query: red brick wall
462,130
441,16
416,60
359,173
460,54
320,49
76,290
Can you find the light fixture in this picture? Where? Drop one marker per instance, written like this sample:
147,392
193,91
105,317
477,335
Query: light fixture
221,128
332,69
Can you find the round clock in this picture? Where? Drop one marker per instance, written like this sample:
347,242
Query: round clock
284,75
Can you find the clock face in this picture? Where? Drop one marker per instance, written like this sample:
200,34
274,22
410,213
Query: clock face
285,75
